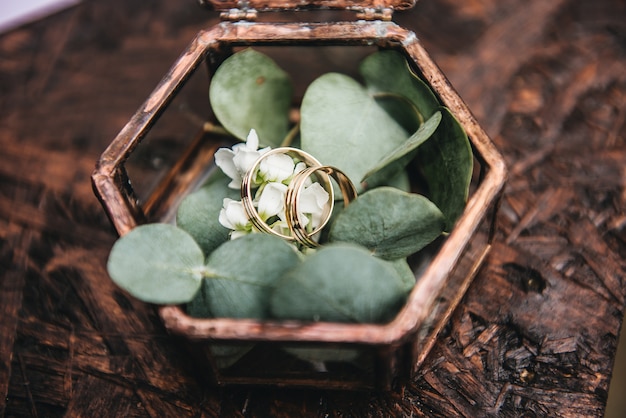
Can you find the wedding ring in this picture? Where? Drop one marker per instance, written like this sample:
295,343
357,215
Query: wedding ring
292,199
246,188
297,228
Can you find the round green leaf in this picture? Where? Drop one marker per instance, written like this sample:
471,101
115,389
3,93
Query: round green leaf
391,223
249,91
157,263
198,214
339,283
242,273
388,72
342,125
446,161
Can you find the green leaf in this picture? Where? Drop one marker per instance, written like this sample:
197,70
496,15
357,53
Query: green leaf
199,306
224,355
342,125
242,273
249,91
397,160
198,214
157,263
391,223
447,157
446,161
400,109
402,268
400,181
339,283
388,72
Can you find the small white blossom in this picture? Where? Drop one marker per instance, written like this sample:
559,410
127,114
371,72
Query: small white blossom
313,200
272,201
275,172
300,167
233,216
276,168
237,161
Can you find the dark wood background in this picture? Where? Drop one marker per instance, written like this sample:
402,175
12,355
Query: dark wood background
537,332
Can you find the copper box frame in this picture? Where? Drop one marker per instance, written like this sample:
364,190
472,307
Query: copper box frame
398,348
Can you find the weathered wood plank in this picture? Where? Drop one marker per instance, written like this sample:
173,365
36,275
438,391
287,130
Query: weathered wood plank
537,331
13,264
112,400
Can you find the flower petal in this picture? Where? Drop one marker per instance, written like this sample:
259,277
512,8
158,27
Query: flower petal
244,159
272,200
277,167
252,141
233,216
224,159
281,227
299,167
313,200
238,234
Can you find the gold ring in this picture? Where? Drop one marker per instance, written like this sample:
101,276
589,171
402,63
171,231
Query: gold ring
246,188
292,199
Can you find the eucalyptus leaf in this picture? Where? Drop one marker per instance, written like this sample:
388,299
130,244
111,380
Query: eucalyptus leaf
402,268
199,306
400,109
397,160
446,162
224,355
250,91
400,181
339,283
391,223
157,263
242,272
342,125
388,72
198,214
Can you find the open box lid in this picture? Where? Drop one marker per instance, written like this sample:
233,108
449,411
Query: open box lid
285,5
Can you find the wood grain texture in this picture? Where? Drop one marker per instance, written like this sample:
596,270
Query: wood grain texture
537,331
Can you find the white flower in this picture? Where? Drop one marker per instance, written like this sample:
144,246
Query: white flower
237,161
233,216
300,167
313,200
276,168
275,172
281,227
272,201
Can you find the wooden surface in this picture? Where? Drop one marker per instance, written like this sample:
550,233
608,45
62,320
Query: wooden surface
537,332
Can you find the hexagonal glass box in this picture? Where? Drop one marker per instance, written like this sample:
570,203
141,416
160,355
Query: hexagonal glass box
165,152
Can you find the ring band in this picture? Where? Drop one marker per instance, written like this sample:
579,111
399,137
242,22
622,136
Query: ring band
246,187
292,195
292,199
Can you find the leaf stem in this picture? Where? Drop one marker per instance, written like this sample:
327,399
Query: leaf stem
212,128
291,135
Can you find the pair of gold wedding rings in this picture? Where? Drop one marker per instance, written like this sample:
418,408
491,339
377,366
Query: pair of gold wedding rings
297,228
